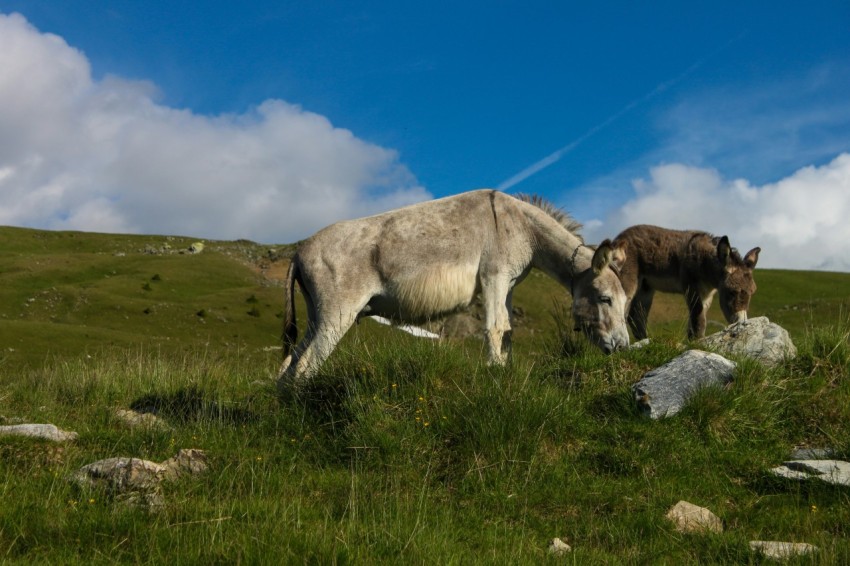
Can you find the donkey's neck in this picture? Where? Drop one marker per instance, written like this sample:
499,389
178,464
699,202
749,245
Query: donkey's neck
557,252
703,261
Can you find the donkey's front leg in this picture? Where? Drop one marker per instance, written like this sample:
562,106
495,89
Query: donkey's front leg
639,311
497,300
697,307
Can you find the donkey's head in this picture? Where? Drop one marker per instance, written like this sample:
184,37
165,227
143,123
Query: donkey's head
599,302
736,283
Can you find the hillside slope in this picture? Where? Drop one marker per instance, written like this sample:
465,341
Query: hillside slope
68,294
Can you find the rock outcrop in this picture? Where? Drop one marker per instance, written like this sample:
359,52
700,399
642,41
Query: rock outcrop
137,481
836,472
663,392
43,431
756,338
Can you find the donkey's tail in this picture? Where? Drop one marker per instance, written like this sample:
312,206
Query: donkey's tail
290,330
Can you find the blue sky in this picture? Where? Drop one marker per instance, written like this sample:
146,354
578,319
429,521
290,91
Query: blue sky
710,115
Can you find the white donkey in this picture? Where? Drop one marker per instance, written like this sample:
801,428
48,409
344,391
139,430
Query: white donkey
428,259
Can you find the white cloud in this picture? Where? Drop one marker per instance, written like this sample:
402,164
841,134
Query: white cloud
103,155
800,222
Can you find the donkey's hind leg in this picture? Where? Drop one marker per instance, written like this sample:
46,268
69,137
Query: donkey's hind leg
295,353
320,341
639,311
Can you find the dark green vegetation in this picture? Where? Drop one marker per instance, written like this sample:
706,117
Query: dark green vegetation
405,450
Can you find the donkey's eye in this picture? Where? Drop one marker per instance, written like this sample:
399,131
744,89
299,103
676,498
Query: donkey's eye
605,299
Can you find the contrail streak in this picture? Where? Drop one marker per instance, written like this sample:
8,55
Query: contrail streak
556,156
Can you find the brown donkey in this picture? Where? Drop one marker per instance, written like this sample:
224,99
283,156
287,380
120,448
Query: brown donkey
695,264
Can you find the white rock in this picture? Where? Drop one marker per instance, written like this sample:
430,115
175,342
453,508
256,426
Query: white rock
558,547
410,329
45,431
690,518
777,550
836,472
756,338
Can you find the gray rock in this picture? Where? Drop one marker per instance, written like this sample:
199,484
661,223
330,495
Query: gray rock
690,518
44,431
461,325
836,472
756,338
806,453
663,392
777,550
11,420
187,462
136,481
558,547
132,419
120,475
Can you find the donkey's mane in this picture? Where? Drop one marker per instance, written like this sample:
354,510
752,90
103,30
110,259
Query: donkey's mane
736,255
560,215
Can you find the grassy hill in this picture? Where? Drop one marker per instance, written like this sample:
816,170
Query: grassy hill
405,450
70,293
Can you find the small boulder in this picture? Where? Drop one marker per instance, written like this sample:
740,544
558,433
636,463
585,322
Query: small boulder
777,550
44,431
187,462
756,338
136,481
133,419
557,547
120,475
690,518
461,325
663,392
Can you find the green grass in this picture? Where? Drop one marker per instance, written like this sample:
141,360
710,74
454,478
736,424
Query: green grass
402,450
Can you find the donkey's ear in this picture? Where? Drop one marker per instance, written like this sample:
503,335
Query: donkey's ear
752,257
602,257
724,250
618,254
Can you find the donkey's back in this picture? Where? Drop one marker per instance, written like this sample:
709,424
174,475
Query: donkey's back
409,264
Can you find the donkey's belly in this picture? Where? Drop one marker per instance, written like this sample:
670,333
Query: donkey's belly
426,294
664,284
